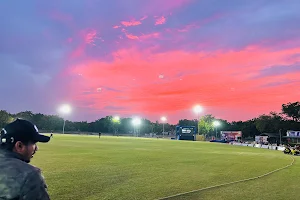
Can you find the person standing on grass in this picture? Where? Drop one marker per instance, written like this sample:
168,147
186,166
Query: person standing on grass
18,179
99,135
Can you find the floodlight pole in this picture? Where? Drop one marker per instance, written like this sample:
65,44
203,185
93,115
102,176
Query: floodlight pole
64,109
280,135
163,119
64,126
198,120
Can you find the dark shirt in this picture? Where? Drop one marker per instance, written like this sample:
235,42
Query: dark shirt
20,180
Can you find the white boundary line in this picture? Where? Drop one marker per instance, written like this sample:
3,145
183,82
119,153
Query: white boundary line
244,180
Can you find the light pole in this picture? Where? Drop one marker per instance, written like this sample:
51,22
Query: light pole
115,120
163,119
198,109
64,110
280,135
136,122
216,124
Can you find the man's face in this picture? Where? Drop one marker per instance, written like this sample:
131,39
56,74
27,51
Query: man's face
27,151
31,149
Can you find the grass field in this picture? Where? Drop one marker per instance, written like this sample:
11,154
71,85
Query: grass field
84,167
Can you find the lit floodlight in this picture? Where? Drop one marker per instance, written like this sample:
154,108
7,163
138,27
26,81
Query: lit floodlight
136,121
116,118
65,109
198,109
163,119
216,123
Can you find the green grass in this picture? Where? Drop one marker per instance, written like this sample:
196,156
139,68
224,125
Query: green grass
84,167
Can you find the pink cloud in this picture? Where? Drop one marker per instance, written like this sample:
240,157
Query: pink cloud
188,27
143,18
214,82
160,20
90,36
142,37
130,36
150,35
131,23
79,51
86,37
116,27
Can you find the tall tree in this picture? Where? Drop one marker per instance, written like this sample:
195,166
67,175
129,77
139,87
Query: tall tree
248,128
268,123
186,122
28,115
292,110
205,125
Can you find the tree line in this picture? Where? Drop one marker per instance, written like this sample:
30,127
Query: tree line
288,119
54,123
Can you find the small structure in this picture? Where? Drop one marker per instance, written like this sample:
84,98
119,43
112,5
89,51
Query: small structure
261,139
186,133
231,135
271,138
292,137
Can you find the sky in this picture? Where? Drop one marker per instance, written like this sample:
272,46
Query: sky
238,59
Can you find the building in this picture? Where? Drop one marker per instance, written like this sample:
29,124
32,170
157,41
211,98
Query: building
292,137
272,138
231,135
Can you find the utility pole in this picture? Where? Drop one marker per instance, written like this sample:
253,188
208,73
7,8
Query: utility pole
280,135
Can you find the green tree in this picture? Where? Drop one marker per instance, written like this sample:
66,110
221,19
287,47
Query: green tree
248,128
205,125
5,118
28,115
269,123
292,110
186,122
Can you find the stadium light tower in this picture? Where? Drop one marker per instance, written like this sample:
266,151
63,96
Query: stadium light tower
163,119
136,122
216,124
198,109
64,110
116,120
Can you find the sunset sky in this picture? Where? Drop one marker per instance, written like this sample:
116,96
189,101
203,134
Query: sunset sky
150,58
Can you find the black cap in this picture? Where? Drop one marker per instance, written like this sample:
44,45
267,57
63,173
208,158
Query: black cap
22,130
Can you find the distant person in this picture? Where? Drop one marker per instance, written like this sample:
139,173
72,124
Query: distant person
51,136
99,135
19,179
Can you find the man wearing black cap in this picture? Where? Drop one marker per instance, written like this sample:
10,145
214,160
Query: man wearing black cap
18,179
